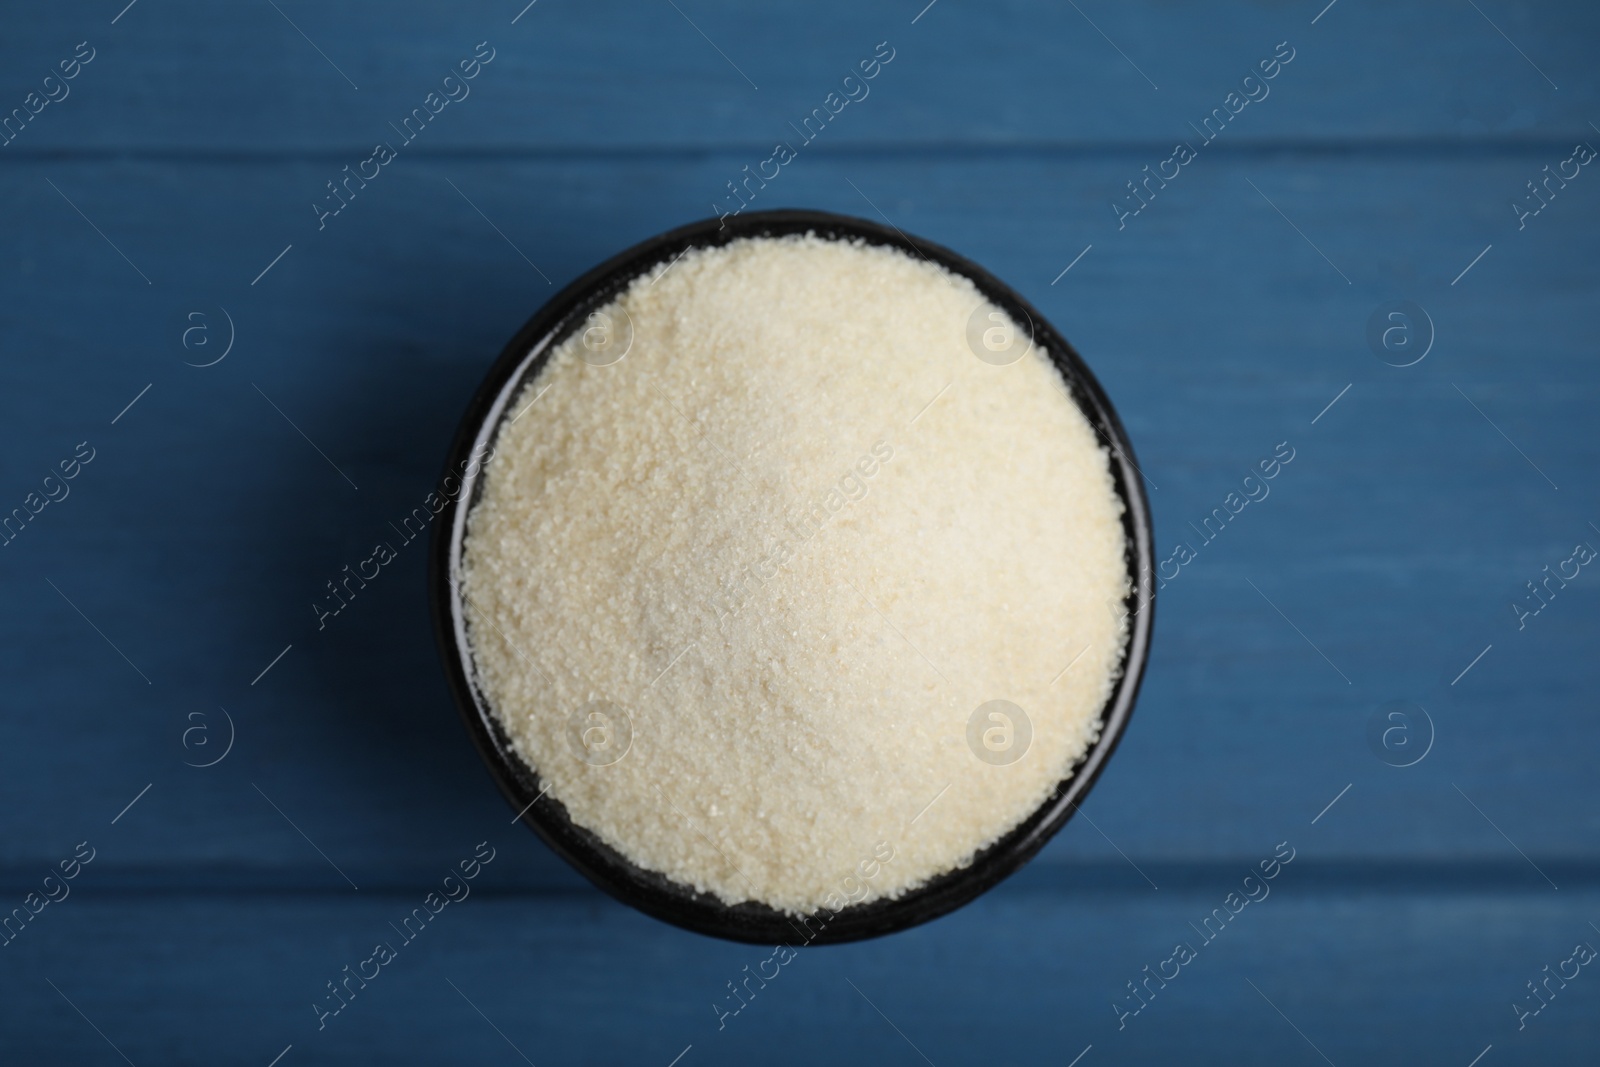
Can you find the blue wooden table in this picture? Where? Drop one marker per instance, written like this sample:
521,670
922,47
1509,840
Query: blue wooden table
228,366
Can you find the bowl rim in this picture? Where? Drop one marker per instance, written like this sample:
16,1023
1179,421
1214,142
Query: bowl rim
523,358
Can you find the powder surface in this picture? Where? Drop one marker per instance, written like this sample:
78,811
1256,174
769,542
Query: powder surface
791,543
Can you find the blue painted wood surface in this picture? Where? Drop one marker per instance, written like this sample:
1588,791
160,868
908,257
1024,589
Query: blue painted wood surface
156,195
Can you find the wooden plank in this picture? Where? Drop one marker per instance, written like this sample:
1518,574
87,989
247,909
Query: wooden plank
191,78
565,979
198,537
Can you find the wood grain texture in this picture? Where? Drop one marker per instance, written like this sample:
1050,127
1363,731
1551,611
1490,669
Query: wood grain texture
570,979
620,76
1222,319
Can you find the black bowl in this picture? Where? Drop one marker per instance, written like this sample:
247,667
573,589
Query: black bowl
653,893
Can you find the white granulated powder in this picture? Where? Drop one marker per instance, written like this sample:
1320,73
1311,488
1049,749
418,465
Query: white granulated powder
793,541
